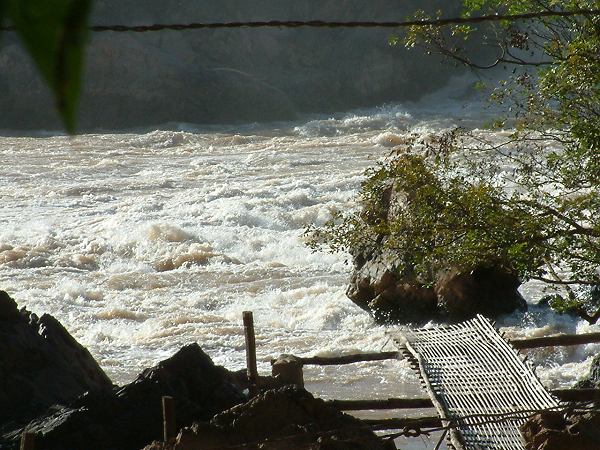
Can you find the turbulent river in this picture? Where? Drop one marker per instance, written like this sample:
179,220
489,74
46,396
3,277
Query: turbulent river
145,241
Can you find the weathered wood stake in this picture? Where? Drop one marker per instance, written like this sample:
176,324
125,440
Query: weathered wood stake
250,353
169,425
27,441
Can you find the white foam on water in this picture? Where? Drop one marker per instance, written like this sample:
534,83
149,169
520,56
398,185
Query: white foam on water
141,243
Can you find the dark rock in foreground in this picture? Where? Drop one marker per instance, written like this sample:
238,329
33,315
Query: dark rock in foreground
550,430
130,417
284,418
41,364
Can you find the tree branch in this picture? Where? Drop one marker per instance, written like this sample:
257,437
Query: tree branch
566,282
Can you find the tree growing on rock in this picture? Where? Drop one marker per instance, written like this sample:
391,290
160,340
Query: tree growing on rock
525,200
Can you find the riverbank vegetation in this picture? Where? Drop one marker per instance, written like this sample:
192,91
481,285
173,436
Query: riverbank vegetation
524,198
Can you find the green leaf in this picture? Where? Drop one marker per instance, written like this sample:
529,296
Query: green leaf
393,40
55,32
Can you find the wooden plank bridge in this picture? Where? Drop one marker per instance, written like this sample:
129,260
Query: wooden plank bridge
481,388
478,383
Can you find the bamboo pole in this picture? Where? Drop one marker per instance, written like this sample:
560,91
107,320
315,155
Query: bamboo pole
27,441
559,340
169,424
565,395
251,369
389,403
348,359
404,422
577,395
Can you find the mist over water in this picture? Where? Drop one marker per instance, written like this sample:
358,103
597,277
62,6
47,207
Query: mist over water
142,242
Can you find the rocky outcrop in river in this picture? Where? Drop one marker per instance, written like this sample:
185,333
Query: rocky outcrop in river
378,286
383,284
230,75
592,379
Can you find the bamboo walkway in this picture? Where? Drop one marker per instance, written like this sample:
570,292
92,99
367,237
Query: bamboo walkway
477,382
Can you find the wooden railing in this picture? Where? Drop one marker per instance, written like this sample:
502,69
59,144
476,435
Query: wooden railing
289,369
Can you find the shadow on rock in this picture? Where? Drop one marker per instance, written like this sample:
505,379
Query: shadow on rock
42,365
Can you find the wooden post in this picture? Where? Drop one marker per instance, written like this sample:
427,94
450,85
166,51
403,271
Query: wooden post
250,353
288,370
169,426
27,441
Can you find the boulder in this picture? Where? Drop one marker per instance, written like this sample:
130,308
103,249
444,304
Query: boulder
490,291
41,364
551,430
378,287
392,294
383,284
284,418
130,417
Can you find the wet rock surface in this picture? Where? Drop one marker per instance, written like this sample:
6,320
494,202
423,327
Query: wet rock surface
131,416
41,365
552,431
284,418
377,287
381,286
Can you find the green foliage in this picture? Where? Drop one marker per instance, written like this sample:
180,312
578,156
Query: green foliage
453,209
54,33
528,202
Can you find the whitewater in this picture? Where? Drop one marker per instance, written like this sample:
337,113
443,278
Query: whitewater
144,241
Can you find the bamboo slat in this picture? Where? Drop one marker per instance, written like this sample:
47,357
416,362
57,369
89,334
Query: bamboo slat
472,374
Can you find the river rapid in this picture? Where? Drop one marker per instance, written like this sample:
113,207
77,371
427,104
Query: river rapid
142,242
